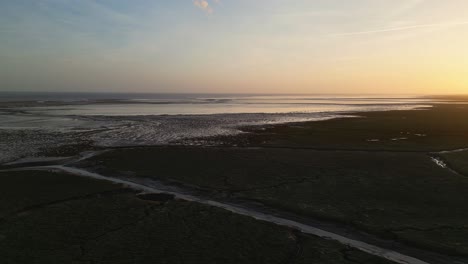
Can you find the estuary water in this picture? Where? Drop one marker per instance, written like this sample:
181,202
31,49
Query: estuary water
31,122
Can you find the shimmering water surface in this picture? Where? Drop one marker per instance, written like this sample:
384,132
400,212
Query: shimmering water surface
31,122
225,105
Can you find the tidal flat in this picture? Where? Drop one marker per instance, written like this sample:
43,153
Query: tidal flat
371,177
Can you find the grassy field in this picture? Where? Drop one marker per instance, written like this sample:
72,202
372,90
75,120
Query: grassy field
397,195
50,217
330,171
457,160
442,127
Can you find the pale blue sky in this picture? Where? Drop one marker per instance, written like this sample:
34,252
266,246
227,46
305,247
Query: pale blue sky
312,46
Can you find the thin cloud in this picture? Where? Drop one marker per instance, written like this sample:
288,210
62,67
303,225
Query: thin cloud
204,5
400,29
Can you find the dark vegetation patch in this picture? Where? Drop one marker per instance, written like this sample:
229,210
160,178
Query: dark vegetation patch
156,197
383,193
24,189
457,160
442,127
107,225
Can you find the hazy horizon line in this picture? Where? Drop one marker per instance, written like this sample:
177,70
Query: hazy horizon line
226,93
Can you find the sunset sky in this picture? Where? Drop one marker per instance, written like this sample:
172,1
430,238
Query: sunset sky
242,46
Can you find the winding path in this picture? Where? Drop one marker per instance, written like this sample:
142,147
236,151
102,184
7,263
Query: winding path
241,209
304,228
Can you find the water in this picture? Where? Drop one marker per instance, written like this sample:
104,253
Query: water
34,121
203,104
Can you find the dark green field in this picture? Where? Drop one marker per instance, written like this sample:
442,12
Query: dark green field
457,160
49,217
443,127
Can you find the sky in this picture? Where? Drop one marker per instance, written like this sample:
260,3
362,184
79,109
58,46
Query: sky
235,46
